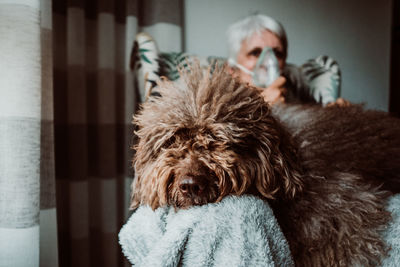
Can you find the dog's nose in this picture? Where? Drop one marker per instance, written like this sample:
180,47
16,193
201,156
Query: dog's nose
191,185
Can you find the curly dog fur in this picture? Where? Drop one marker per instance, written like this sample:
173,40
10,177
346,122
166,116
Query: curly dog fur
325,171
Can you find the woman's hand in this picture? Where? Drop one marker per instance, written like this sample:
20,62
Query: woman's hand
341,102
275,93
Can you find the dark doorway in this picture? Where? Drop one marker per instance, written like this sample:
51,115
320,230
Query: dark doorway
394,100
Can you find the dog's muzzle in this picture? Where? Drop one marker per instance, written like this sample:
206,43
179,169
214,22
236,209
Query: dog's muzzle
193,186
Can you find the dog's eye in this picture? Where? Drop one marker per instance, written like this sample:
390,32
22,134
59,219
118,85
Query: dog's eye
183,132
171,178
170,141
177,136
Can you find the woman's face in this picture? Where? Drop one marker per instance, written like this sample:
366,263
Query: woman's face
251,50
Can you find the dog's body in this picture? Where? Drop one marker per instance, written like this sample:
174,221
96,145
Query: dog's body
352,157
325,171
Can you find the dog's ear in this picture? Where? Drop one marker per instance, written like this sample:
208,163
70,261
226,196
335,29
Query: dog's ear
150,185
136,193
141,193
272,163
152,171
153,136
286,166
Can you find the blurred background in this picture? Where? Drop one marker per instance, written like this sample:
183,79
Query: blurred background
357,34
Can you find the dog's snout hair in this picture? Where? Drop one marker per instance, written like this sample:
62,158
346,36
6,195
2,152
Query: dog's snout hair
192,184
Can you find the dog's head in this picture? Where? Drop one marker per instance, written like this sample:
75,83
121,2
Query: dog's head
207,137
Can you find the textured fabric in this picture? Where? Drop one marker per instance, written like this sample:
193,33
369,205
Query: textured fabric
95,97
19,172
23,86
156,11
48,215
323,77
163,19
238,231
242,227
392,233
27,178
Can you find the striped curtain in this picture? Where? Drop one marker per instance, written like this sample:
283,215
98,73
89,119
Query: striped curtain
94,99
28,229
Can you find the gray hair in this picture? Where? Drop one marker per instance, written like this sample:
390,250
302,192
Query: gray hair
245,28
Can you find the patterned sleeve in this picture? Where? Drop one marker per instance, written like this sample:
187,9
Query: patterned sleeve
296,85
324,78
317,80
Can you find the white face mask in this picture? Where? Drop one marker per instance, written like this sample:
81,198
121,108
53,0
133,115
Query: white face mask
266,70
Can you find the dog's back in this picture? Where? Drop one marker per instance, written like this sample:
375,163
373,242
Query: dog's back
351,159
346,139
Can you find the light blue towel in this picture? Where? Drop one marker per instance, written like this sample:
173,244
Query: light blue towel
238,231
392,233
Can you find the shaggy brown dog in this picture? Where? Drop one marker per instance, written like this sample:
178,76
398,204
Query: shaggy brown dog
320,168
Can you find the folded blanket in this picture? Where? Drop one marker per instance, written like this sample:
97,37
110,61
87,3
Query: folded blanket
392,233
238,231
